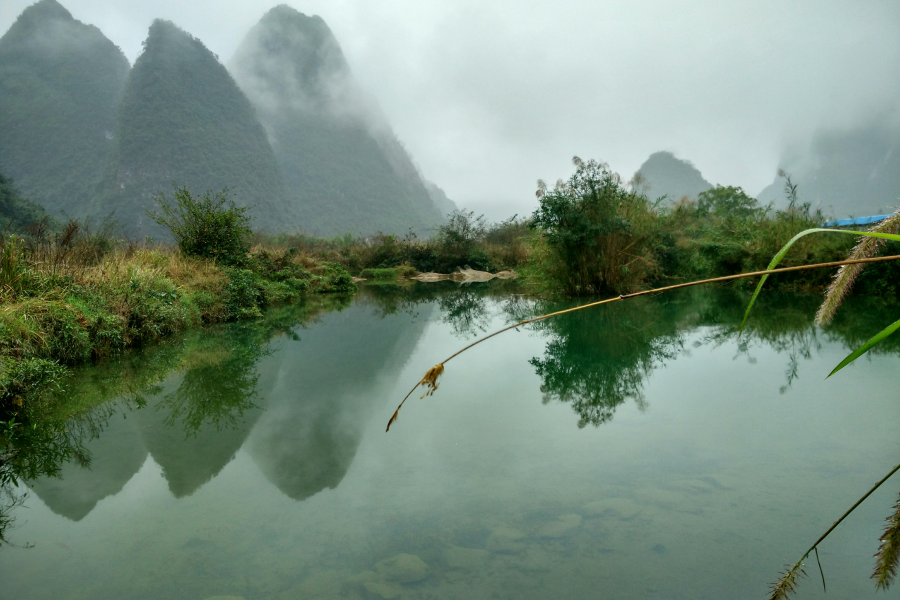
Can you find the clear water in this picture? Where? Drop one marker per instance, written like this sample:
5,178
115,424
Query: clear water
638,450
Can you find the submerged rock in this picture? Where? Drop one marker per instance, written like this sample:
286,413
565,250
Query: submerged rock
561,527
618,508
465,558
403,568
382,589
503,539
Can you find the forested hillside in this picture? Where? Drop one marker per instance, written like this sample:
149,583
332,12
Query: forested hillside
183,120
665,175
60,84
343,168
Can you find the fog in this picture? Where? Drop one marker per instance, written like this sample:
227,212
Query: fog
487,99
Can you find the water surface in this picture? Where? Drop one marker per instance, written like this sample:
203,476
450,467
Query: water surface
638,450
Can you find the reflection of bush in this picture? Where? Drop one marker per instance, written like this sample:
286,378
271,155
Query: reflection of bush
597,359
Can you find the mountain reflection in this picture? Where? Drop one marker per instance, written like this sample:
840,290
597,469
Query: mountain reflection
297,389
323,394
299,408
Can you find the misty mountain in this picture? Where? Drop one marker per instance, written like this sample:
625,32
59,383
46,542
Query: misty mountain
342,166
851,172
60,84
183,120
16,212
673,177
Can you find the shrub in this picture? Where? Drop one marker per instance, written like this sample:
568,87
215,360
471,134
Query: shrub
243,294
378,273
21,378
596,232
211,226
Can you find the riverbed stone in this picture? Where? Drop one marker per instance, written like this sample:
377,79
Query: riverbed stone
383,589
618,508
403,568
561,527
465,558
506,540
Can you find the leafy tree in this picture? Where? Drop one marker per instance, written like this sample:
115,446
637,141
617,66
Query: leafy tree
595,229
728,202
211,226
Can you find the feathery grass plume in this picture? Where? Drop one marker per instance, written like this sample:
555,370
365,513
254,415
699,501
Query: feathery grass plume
787,583
888,555
846,275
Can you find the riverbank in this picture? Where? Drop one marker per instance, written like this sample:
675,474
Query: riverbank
86,295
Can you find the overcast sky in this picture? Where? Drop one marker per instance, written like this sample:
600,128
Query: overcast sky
489,97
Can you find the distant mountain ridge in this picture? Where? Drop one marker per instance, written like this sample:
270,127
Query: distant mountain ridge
665,175
342,165
87,136
60,86
851,172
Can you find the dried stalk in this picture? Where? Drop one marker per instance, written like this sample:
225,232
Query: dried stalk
431,377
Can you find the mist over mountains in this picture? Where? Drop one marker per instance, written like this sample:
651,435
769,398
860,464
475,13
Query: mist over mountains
343,167
845,172
60,86
86,136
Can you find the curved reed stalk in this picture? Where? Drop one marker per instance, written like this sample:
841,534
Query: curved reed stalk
787,584
430,380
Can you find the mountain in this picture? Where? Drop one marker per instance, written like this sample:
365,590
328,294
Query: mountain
664,174
342,166
849,172
60,85
183,120
16,212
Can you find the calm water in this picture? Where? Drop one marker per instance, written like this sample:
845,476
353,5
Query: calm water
638,450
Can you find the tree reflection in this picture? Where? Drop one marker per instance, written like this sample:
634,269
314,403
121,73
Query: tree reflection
597,359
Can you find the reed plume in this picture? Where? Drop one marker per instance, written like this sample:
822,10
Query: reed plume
888,555
847,274
787,583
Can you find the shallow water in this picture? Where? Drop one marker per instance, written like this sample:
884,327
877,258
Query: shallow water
639,450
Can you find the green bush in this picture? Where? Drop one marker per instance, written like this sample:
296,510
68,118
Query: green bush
21,378
335,278
212,226
378,274
243,294
596,233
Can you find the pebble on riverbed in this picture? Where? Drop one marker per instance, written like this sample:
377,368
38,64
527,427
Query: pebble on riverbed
506,540
403,568
619,508
561,527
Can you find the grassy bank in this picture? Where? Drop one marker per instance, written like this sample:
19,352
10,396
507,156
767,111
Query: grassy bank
77,294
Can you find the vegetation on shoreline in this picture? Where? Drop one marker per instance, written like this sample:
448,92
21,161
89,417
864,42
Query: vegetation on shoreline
77,294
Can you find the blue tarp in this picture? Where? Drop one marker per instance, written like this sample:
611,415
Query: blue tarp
856,221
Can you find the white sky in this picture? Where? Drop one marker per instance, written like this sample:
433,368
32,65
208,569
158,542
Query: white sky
489,97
